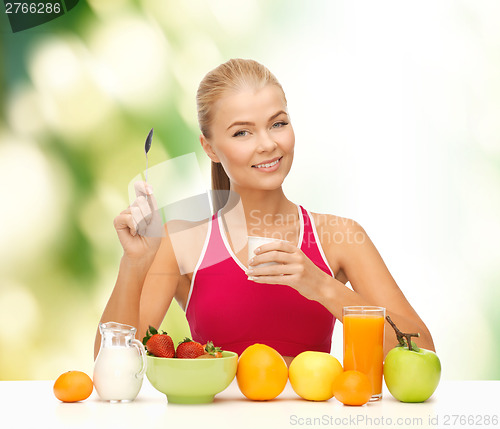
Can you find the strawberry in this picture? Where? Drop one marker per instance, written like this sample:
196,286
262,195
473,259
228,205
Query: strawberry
159,344
189,349
212,350
206,356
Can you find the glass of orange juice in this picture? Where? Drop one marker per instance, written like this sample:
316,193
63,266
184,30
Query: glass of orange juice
364,343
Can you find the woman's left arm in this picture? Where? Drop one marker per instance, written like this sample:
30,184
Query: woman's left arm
358,258
372,284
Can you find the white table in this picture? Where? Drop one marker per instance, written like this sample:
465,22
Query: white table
32,404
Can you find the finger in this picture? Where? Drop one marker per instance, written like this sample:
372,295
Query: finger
152,200
125,221
138,219
145,190
154,221
153,205
284,246
142,188
271,256
270,270
145,208
274,280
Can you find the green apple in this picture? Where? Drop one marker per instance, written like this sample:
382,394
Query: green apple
411,373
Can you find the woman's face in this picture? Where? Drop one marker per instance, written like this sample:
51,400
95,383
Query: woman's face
253,138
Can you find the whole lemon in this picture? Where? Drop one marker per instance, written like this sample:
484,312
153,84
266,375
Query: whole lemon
262,372
312,375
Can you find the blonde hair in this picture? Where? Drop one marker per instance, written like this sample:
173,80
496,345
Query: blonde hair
231,76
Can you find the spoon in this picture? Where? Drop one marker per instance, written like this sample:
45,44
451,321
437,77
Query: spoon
147,146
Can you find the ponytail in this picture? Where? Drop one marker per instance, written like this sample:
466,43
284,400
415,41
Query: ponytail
220,183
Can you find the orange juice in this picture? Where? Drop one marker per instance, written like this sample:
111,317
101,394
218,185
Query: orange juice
364,345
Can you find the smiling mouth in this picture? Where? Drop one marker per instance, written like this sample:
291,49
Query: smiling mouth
269,164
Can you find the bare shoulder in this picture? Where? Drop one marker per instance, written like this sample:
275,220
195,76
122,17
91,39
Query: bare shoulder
193,228
187,238
335,233
336,230
347,241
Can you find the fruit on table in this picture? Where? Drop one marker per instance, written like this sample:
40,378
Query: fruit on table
73,386
206,356
189,349
352,388
262,372
211,350
159,344
312,375
411,373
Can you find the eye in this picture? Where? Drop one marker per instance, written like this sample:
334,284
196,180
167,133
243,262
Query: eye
279,124
240,133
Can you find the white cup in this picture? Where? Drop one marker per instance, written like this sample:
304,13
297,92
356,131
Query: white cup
254,242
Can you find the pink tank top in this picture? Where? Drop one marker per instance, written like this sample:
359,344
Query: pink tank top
225,307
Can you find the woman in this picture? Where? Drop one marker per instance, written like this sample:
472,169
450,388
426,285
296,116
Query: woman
290,305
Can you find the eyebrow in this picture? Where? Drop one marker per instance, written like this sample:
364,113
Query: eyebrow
252,123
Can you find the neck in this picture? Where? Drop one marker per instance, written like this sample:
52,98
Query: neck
258,213
255,206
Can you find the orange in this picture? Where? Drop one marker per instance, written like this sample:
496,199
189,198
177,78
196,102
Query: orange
312,374
352,388
262,372
73,386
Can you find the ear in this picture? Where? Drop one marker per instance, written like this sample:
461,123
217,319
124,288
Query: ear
207,147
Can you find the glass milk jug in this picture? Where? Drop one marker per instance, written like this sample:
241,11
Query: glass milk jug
121,363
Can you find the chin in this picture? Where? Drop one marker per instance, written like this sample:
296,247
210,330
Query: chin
268,185
261,185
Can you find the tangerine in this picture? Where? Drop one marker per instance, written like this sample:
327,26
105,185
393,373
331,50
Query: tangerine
312,375
262,372
352,388
73,386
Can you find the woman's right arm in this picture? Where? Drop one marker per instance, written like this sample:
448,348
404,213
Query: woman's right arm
148,267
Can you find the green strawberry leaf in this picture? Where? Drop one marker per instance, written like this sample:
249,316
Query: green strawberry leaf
149,333
186,340
211,349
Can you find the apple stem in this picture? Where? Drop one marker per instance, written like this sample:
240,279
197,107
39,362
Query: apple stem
402,335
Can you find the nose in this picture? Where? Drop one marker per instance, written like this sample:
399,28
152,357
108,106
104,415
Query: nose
265,143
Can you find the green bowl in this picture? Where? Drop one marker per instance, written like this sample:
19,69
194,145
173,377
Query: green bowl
192,381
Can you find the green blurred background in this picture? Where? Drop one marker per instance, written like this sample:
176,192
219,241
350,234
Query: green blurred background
395,108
